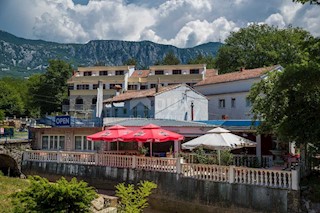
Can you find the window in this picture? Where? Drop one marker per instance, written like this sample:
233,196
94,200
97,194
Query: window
194,71
116,112
233,102
94,100
81,143
152,85
119,72
146,112
176,72
88,73
95,86
53,142
112,86
79,101
143,87
101,73
248,102
82,86
124,111
132,87
70,87
135,111
222,103
158,72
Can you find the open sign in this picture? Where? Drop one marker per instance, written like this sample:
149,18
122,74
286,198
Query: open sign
62,120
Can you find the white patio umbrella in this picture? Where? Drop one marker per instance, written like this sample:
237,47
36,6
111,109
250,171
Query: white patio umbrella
218,139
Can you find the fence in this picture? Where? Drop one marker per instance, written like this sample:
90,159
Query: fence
228,174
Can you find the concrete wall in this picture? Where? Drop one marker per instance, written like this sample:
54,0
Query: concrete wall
174,193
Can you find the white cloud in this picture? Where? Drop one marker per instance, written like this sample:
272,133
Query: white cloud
183,23
276,20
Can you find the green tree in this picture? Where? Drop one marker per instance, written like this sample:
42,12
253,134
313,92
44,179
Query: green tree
130,61
50,89
288,103
134,200
200,59
10,100
262,45
62,196
2,115
317,2
170,59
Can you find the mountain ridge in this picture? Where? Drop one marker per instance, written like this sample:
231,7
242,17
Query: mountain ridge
23,57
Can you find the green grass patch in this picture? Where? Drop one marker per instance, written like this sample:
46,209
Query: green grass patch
8,186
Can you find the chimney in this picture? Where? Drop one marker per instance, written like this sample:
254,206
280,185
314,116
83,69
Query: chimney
242,69
158,85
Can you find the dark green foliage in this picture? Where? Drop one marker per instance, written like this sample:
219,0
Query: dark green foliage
170,59
317,2
200,59
2,115
62,196
262,45
288,103
47,91
130,61
134,200
10,99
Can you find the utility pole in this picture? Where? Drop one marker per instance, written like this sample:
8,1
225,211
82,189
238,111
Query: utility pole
192,110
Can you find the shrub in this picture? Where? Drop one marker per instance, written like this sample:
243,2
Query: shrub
133,200
226,157
62,196
1,173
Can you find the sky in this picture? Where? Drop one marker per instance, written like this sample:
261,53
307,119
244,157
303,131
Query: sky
182,23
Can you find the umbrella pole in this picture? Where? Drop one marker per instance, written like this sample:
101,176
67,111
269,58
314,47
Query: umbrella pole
219,157
150,148
117,146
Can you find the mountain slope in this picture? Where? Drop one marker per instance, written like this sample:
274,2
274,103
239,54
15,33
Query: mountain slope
22,57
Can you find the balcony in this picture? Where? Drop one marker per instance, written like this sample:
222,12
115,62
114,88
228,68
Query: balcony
78,107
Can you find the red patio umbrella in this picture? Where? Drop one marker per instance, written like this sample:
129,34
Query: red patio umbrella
112,134
153,134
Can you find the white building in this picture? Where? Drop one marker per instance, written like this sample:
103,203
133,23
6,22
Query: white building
227,93
178,102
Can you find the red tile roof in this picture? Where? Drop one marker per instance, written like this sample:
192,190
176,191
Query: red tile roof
140,73
140,94
236,76
211,72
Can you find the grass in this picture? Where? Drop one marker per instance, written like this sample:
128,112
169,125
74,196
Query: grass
8,186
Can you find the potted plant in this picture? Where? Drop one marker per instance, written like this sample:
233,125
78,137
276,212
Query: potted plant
170,153
143,150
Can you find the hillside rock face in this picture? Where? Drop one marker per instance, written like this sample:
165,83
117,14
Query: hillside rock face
23,57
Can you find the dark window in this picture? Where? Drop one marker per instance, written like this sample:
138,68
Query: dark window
158,72
143,87
233,102
116,110
135,111
88,73
79,101
132,87
70,87
152,85
222,103
176,72
94,100
95,86
146,112
124,111
112,86
194,71
101,73
119,72
82,86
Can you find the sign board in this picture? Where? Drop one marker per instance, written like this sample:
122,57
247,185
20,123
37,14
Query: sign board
62,120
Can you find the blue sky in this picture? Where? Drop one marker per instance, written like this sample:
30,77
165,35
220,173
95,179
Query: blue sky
183,23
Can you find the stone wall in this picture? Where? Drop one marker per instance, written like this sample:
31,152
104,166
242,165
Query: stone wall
176,193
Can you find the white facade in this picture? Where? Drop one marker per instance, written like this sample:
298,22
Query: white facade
176,104
233,94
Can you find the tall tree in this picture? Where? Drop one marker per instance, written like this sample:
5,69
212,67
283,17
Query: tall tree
170,59
288,103
10,100
50,89
200,59
130,61
262,45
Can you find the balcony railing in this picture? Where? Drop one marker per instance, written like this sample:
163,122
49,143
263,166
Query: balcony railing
78,107
229,174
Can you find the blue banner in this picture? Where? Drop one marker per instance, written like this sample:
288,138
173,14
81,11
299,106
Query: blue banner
62,120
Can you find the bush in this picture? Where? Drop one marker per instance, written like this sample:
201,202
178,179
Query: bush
62,196
133,200
1,173
226,157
